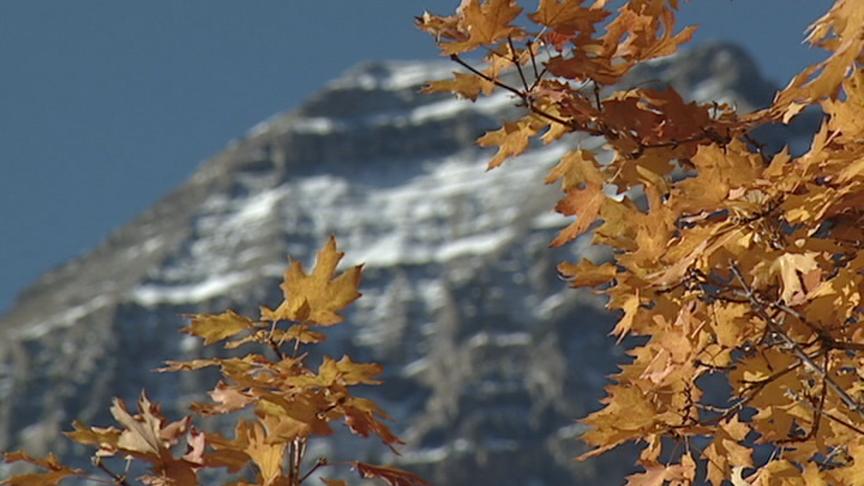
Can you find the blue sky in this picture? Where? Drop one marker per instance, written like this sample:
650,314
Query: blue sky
106,105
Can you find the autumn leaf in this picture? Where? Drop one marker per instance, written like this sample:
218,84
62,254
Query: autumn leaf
55,474
568,16
586,205
790,267
347,372
726,453
319,296
145,435
658,475
102,438
734,262
512,139
586,273
214,328
468,86
390,475
842,31
268,457
484,22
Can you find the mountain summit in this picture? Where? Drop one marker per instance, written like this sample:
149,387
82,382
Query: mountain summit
489,357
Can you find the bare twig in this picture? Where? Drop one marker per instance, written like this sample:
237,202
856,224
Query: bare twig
321,462
516,62
119,479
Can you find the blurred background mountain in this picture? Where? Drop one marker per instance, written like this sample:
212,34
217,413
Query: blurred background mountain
105,106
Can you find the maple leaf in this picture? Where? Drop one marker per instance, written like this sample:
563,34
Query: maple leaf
842,31
144,433
725,452
54,475
268,457
568,16
320,296
391,475
484,23
658,475
214,328
468,86
512,139
586,273
103,438
228,400
790,267
347,372
576,168
586,205
360,417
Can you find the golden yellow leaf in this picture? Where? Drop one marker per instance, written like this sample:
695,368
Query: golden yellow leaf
512,139
320,296
790,267
586,273
468,86
216,327
586,205
268,457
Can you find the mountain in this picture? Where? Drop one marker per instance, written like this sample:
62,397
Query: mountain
489,358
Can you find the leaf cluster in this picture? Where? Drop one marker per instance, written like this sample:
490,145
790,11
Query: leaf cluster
741,269
280,402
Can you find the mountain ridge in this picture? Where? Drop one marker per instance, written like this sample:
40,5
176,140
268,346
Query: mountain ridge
489,357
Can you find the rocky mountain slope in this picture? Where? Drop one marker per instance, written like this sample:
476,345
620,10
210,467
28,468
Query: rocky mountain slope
489,358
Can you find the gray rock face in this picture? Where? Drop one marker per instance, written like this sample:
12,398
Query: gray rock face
489,358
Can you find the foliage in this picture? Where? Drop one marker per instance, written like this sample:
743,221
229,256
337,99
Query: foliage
290,402
741,269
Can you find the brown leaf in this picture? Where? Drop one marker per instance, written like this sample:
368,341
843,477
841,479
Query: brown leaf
54,475
483,22
391,475
334,482
568,16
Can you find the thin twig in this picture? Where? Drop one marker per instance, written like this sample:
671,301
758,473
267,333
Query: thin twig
119,479
597,96
321,462
843,422
515,60
530,46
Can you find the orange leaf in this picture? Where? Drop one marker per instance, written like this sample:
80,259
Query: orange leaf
512,139
484,23
586,205
568,16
